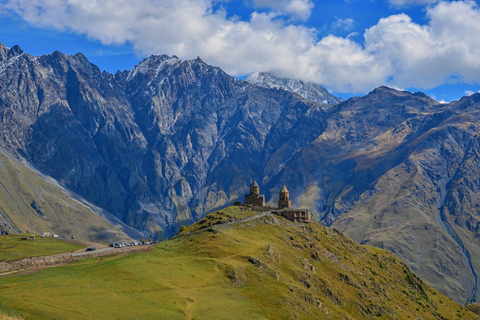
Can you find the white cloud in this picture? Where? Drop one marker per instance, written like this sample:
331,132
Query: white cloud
404,3
427,56
299,9
396,51
345,24
469,92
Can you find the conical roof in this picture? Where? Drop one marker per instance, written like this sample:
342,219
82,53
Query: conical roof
254,184
284,189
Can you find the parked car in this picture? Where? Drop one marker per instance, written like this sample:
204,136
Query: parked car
91,249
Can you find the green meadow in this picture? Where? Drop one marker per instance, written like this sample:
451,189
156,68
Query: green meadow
267,268
12,247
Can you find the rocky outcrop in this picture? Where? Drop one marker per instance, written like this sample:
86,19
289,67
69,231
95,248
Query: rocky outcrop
38,209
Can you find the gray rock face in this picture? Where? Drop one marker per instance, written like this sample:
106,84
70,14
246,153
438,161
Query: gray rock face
158,146
309,91
165,143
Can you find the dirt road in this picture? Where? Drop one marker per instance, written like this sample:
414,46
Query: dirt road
65,258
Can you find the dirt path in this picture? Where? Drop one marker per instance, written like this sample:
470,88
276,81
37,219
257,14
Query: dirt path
260,215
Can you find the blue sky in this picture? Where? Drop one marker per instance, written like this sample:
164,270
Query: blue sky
350,46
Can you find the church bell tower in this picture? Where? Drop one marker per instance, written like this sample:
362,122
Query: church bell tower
284,198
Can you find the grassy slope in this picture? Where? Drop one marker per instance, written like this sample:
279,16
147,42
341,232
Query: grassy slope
260,269
13,248
20,186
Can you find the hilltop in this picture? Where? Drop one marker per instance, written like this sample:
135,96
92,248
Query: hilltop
235,264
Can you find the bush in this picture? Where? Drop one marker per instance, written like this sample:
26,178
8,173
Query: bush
183,229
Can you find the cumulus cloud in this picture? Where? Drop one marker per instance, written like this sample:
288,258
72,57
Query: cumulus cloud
427,56
299,9
396,51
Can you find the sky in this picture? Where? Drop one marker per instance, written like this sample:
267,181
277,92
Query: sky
349,46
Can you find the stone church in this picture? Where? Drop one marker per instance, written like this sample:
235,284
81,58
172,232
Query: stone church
284,199
284,204
254,198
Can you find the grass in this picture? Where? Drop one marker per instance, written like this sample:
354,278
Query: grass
13,248
4,316
9,316
267,269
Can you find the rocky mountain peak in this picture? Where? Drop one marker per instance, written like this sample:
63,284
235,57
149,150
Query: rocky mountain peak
307,90
201,67
81,56
15,51
467,103
153,66
199,60
384,89
56,54
391,97
9,55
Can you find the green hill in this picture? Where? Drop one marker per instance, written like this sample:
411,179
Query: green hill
261,267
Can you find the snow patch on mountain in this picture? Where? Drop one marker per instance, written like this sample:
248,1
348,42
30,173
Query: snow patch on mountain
10,62
309,91
154,63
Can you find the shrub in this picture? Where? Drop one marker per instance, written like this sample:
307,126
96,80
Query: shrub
183,229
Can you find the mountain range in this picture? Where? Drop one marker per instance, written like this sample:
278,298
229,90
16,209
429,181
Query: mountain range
165,143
